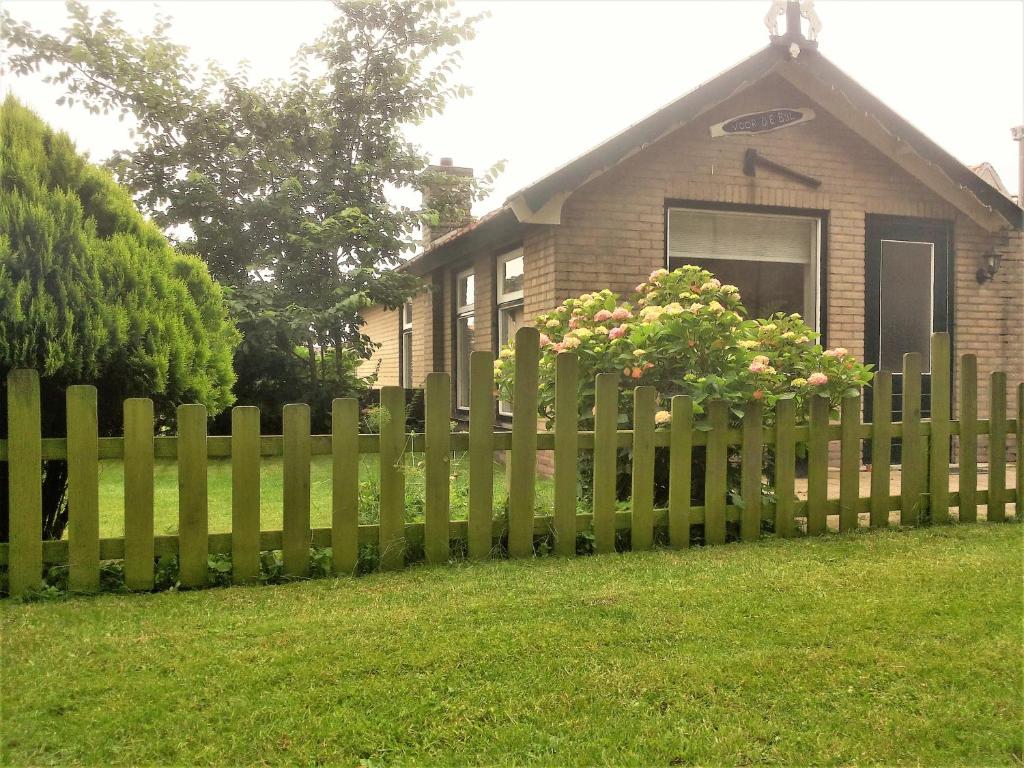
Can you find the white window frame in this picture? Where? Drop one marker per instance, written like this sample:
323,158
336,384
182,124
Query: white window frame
506,301
405,371
508,296
462,311
812,288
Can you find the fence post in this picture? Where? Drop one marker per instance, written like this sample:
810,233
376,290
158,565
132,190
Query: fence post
139,546
566,447
193,511
295,492
750,479
481,454
642,495
785,466
817,466
24,457
345,484
881,448
680,471
83,489
245,494
1020,451
912,444
522,473
438,465
392,478
997,449
968,455
715,473
938,444
849,462
606,424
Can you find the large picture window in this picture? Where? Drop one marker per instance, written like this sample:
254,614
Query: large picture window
510,305
406,344
465,323
773,259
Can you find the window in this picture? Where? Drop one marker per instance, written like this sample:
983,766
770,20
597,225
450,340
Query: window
406,345
773,259
510,305
906,286
464,331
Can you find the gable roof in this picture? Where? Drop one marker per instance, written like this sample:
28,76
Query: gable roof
811,73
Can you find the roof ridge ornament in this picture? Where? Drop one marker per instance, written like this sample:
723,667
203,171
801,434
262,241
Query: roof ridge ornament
793,40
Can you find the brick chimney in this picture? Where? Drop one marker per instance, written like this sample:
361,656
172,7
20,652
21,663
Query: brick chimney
447,189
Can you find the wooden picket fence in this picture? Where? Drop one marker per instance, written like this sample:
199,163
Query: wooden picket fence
924,489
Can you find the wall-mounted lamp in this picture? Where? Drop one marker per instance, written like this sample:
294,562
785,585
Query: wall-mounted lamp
988,271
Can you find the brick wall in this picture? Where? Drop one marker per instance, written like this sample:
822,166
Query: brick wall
382,327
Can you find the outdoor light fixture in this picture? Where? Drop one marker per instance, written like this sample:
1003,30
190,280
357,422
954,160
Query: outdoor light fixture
987,272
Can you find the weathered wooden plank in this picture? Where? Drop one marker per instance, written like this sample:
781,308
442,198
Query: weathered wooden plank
566,427
642,527
24,457
912,449
481,454
345,485
881,448
849,462
938,439
606,415
1020,452
997,448
83,489
750,479
716,472
392,478
295,490
817,466
968,441
193,511
680,471
437,470
522,476
785,467
139,552
245,494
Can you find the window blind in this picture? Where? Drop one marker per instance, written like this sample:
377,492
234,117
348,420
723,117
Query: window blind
741,236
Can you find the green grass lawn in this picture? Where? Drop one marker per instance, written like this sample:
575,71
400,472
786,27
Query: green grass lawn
165,493
897,647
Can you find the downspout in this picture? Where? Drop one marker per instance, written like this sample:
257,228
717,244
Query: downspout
1018,136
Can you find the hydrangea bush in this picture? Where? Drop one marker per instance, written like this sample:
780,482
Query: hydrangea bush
686,333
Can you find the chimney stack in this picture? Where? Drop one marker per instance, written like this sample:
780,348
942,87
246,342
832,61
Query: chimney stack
448,190
1018,136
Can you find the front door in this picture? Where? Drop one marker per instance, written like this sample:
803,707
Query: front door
907,299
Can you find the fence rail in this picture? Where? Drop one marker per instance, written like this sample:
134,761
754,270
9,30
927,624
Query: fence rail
924,483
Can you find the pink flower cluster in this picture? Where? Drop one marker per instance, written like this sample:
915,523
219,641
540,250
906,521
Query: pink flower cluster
817,379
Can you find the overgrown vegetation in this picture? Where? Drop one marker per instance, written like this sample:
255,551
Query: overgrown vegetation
892,648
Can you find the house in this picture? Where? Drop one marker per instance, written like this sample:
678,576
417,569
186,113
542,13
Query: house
783,176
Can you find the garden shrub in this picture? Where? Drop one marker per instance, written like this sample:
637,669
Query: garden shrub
685,334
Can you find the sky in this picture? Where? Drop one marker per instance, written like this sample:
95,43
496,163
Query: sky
552,79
